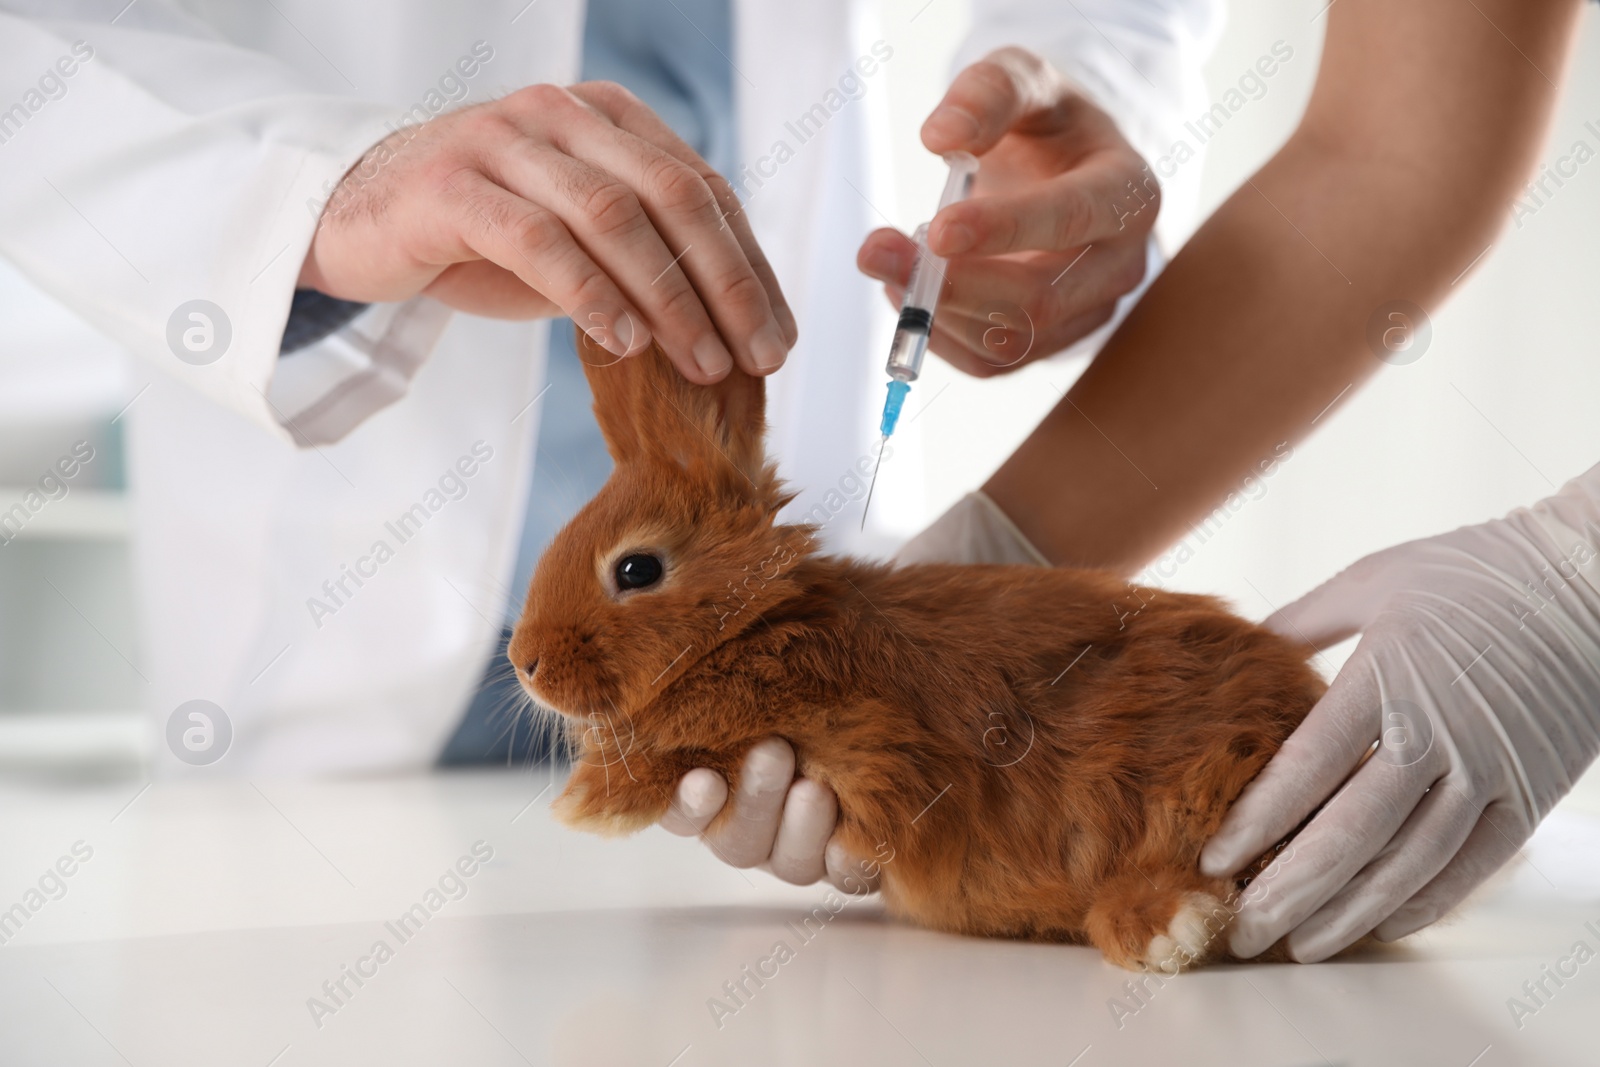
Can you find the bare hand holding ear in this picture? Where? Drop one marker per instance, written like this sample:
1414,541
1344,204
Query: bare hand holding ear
552,200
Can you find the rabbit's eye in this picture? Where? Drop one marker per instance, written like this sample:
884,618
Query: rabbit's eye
636,572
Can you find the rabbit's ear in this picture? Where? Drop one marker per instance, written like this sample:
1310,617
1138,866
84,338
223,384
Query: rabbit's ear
648,412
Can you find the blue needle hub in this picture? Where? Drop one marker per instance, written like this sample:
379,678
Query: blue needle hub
892,405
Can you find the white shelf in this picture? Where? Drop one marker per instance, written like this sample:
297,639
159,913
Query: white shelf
73,740
81,515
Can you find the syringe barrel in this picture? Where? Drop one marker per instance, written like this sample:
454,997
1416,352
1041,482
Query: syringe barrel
927,276
909,346
910,343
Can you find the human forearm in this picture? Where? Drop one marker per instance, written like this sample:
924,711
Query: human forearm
1237,347
1261,322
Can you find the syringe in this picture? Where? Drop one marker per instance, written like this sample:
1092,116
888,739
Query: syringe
915,327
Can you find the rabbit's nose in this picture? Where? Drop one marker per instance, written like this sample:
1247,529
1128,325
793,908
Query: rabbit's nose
532,666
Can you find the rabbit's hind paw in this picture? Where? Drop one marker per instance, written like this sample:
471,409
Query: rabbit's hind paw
1193,936
1141,925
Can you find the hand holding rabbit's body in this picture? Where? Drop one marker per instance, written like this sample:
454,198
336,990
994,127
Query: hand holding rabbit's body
1042,752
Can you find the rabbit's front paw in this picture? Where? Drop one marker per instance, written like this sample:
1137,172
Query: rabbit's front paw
609,800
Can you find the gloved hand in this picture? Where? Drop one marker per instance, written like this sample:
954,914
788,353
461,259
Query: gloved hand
786,823
1478,676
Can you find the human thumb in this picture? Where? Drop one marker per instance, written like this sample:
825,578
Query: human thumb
1341,606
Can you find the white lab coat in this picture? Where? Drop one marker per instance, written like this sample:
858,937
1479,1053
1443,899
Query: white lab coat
183,160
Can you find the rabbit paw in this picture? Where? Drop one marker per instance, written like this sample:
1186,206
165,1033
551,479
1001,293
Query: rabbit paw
1192,937
608,801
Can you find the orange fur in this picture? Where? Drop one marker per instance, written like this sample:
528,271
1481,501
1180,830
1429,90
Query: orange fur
1042,752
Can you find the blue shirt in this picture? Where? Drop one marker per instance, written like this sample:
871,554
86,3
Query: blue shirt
674,56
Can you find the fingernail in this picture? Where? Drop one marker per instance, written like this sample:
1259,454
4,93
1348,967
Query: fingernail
954,238
850,870
1402,923
610,328
711,356
1246,941
697,798
766,769
1312,948
767,347
885,264
791,329
1215,861
952,124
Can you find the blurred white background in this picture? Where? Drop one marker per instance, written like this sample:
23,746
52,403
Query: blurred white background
1496,413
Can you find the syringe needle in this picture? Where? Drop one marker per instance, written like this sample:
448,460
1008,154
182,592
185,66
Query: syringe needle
874,483
915,328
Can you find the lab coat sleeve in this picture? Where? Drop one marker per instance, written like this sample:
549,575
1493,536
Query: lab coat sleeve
1140,60
165,185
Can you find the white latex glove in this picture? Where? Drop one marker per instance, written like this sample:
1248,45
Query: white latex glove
1479,673
786,823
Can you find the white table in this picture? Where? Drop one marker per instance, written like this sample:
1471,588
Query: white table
211,911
